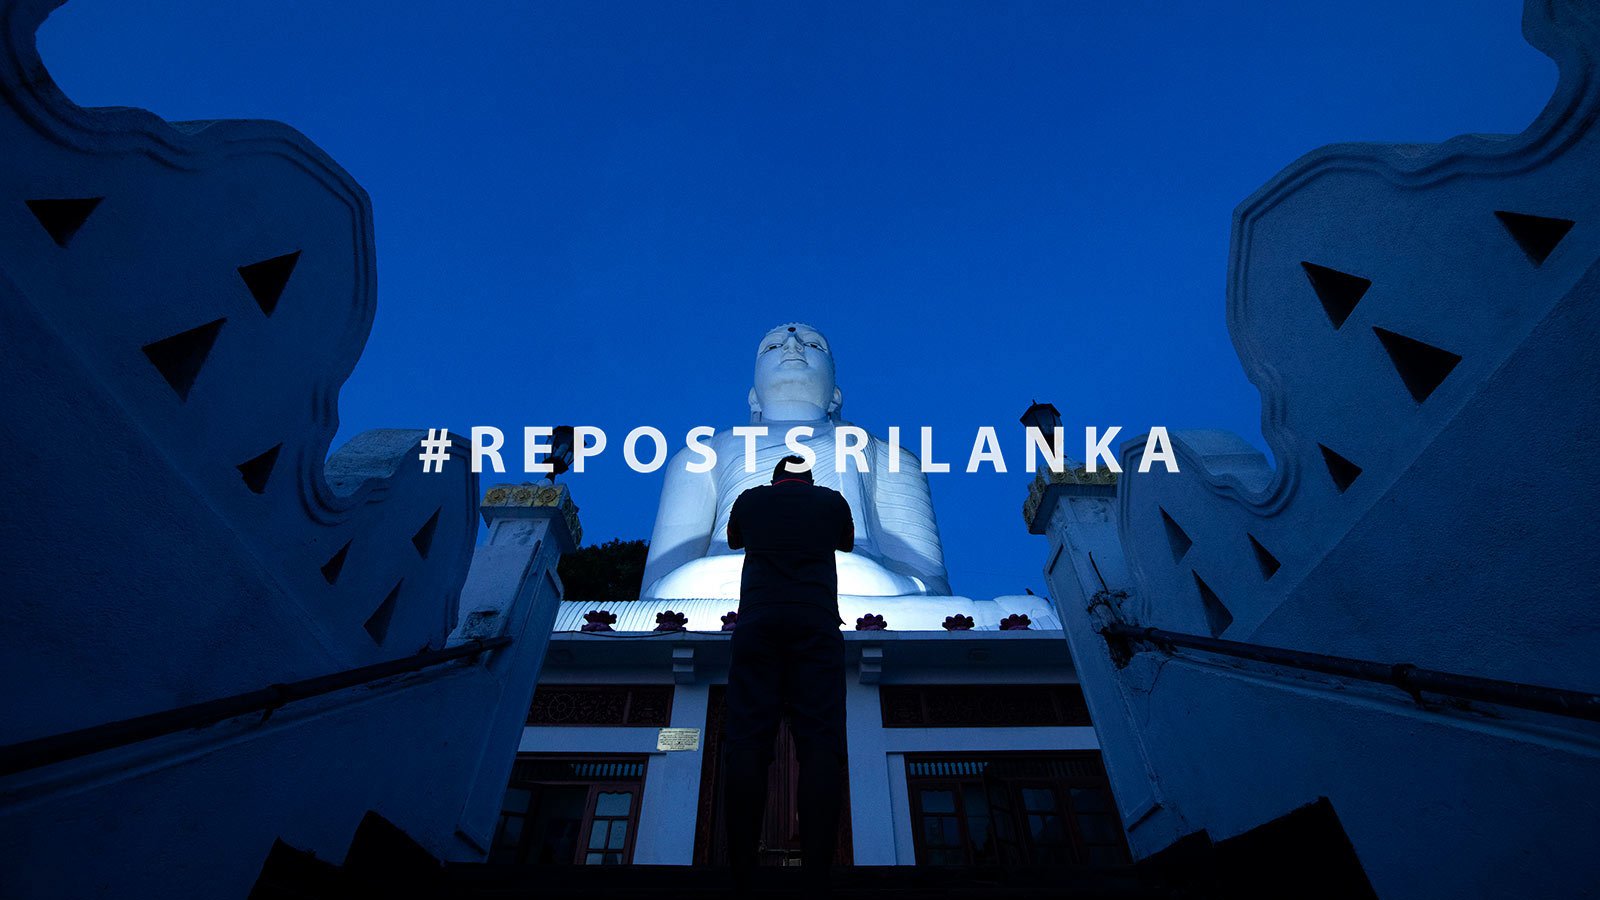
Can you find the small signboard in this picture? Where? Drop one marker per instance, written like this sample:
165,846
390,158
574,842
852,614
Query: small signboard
678,739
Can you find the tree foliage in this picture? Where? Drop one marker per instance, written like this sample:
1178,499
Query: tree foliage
604,573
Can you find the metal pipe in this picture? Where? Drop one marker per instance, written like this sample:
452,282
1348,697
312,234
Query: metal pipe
46,751
1405,676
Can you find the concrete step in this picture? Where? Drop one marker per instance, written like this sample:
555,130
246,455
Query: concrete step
492,882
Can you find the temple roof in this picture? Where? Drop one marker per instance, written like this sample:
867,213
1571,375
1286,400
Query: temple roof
901,613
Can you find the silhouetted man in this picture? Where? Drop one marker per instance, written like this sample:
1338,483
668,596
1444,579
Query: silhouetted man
788,659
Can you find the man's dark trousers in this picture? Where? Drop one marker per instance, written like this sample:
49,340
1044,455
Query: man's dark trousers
787,660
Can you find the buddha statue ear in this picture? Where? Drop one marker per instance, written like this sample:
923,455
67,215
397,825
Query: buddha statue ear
833,407
755,406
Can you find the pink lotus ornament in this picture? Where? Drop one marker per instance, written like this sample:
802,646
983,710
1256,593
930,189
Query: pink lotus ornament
599,620
871,622
958,622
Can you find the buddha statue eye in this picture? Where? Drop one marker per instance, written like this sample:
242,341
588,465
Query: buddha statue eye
814,344
772,346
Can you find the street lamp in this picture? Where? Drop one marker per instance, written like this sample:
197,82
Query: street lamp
1047,419
560,455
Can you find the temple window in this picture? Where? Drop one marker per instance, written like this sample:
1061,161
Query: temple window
1012,809
565,810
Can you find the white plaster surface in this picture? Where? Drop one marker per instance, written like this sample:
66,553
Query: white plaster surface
149,574
1463,545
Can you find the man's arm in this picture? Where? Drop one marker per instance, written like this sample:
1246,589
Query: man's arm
847,537
735,533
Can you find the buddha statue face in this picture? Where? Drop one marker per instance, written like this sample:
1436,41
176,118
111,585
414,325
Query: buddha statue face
794,377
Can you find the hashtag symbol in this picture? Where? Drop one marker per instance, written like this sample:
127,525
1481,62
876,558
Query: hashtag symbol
435,450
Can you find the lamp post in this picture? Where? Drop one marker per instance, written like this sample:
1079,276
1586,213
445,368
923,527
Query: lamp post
560,455
1047,419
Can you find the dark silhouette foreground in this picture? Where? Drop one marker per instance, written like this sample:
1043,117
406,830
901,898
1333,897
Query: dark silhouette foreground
788,660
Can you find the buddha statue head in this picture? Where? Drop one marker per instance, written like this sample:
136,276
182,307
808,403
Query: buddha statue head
897,550
794,377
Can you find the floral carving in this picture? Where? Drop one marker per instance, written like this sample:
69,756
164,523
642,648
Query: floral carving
620,705
982,705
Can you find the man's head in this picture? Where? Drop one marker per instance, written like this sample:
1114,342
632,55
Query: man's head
790,467
794,372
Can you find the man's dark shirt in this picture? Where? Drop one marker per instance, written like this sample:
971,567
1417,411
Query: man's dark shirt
788,531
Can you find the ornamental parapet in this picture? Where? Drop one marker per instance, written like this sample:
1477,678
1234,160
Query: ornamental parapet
1048,487
538,499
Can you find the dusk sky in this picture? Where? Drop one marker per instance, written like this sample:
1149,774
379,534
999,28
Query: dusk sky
589,213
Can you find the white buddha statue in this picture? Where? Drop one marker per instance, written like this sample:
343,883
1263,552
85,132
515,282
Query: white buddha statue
897,550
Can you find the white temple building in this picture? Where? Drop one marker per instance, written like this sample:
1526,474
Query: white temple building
965,747
969,740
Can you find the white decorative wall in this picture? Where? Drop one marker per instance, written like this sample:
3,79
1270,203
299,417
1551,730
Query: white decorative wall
180,304
1421,321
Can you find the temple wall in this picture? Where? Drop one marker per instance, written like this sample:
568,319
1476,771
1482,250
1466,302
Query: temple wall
672,790
1421,322
181,304
880,819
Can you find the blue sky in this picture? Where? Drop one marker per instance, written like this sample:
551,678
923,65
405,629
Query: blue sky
590,212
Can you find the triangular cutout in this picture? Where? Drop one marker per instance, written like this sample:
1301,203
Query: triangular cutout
266,279
63,218
1269,564
1338,291
335,564
179,358
1423,367
377,624
1344,471
423,539
1217,616
1177,538
256,471
1536,235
